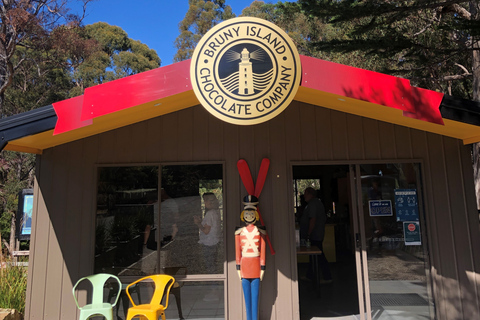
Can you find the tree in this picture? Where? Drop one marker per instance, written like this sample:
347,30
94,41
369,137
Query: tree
201,16
306,31
432,43
116,56
71,59
26,23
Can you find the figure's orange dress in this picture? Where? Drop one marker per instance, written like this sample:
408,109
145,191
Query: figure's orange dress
250,251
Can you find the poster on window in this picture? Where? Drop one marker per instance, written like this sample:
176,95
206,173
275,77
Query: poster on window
406,204
411,232
24,214
380,208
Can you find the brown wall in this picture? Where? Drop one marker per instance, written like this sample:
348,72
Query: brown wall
63,223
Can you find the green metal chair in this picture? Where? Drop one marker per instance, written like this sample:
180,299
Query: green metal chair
97,307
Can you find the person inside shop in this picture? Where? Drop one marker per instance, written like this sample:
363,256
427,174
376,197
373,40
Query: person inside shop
169,229
312,229
209,235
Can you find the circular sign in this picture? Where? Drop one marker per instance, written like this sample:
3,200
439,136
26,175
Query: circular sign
411,227
245,71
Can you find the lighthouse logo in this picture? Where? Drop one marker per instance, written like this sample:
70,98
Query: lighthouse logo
245,71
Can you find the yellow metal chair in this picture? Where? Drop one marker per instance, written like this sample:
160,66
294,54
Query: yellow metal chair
97,307
163,284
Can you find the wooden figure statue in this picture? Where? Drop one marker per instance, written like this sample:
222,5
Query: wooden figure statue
250,255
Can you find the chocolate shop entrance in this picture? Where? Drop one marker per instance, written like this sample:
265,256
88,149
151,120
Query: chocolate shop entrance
373,242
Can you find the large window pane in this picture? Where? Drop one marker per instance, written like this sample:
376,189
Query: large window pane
127,198
191,218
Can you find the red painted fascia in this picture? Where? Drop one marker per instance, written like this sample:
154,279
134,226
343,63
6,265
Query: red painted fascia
317,74
69,114
372,87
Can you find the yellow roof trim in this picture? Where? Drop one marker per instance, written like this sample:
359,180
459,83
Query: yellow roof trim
107,122
19,148
459,130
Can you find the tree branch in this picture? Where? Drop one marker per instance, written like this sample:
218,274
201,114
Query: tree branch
8,246
461,67
457,77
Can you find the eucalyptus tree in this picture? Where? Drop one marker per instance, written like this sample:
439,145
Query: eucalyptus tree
432,43
201,16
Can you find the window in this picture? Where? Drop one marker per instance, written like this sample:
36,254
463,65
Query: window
125,206
145,227
191,218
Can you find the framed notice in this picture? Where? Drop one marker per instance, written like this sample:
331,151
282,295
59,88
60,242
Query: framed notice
406,204
411,232
380,208
24,214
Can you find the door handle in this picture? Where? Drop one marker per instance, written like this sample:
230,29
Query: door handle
357,240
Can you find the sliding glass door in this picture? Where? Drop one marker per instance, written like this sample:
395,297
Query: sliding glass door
374,241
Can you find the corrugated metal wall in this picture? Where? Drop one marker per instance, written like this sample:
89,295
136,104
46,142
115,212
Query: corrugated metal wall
63,224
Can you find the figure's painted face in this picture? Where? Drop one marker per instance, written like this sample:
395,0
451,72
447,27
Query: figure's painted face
249,216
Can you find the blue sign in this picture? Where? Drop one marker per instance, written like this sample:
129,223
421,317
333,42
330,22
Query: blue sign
406,204
411,231
26,228
380,208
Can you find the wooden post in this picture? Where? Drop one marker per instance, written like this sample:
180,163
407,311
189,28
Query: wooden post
12,237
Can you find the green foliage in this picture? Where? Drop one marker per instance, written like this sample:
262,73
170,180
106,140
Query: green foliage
13,286
428,42
201,16
306,31
118,56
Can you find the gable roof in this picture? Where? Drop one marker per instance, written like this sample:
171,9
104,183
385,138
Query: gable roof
168,89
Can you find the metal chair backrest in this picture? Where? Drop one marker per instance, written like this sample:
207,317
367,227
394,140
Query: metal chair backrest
163,284
98,283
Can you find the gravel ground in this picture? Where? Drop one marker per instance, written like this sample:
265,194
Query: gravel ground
395,265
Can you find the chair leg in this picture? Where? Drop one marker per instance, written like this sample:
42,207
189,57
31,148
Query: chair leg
178,300
125,303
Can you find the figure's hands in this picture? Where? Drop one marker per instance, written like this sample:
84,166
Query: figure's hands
261,274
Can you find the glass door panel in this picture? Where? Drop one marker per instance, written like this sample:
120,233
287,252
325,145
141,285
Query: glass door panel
390,215
324,294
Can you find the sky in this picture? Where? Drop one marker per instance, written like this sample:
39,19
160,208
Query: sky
153,22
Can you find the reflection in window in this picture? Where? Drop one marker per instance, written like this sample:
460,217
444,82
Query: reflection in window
389,185
126,201
191,220
138,235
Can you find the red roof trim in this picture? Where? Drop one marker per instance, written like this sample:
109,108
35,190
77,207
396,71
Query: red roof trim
69,115
318,74
372,87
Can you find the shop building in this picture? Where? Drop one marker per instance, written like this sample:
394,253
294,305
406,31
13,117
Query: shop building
121,172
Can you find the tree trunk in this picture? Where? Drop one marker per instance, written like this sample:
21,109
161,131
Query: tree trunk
12,235
475,15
